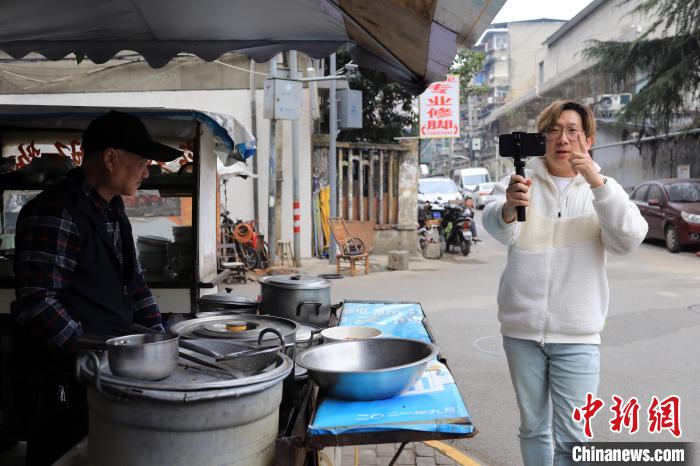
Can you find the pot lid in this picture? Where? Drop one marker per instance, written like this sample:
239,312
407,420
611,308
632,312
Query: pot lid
296,282
189,382
154,240
215,327
227,298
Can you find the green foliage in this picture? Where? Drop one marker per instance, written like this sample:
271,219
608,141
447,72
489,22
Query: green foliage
466,64
671,64
387,107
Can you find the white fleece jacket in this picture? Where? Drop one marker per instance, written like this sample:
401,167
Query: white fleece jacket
554,288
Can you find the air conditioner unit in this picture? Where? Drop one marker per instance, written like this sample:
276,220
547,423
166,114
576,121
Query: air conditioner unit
588,101
619,101
614,102
604,101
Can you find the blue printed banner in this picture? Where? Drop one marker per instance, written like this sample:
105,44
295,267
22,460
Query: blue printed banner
433,404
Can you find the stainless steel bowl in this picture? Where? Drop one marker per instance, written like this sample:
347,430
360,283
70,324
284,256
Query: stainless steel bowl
143,356
372,369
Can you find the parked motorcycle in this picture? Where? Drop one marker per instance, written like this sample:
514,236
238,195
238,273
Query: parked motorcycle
456,223
430,231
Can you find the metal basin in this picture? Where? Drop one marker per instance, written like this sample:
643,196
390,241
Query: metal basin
349,332
143,356
372,369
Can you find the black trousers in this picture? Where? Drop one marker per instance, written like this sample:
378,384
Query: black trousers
53,402
58,419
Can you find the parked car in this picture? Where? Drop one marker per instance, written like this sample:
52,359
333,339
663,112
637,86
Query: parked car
466,179
438,190
482,194
671,207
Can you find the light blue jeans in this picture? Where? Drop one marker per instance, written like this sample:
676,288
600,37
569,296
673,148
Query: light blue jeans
550,381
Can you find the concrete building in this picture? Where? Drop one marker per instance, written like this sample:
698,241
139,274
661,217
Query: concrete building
509,71
562,72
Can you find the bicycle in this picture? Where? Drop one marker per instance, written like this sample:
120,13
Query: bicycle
232,247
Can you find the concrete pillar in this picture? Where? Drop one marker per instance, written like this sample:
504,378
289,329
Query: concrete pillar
408,185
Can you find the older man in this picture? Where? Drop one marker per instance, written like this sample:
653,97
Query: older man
76,273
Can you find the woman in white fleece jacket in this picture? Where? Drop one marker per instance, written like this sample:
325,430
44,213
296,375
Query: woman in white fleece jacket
553,294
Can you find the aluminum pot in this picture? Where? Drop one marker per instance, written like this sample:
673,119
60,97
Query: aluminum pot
300,298
143,356
192,418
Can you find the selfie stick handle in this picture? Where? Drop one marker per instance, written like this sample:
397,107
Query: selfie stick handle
520,170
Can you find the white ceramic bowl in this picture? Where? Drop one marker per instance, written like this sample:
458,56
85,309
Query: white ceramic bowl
349,332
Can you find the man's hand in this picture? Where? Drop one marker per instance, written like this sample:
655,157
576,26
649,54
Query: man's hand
517,194
583,163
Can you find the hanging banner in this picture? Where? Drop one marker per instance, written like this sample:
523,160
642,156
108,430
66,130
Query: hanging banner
439,109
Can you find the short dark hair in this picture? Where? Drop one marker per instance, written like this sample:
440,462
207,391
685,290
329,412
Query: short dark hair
550,115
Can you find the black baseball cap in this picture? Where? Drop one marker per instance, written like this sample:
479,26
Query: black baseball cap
120,130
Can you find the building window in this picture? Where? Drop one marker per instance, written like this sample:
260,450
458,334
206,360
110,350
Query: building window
540,73
500,42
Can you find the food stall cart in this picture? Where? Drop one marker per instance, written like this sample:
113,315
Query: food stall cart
433,409
174,215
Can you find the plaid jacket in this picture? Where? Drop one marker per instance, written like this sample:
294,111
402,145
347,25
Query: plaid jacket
47,250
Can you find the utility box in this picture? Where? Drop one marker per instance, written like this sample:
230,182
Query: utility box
349,108
282,99
398,260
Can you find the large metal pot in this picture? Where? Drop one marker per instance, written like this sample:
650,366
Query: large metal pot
192,418
300,298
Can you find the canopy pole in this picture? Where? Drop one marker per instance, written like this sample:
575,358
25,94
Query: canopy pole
332,155
296,206
254,128
272,183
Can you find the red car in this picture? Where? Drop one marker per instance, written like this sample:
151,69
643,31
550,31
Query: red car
671,207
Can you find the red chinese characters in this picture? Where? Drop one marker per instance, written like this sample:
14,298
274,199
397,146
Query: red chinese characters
665,415
26,154
625,416
439,109
587,412
661,414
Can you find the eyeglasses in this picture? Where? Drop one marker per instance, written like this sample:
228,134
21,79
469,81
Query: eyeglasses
554,133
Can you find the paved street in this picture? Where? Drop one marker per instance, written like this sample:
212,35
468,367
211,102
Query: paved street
650,344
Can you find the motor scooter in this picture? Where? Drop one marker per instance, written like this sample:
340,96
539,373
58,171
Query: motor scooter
456,223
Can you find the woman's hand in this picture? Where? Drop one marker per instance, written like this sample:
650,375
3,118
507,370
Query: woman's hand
582,163
517,195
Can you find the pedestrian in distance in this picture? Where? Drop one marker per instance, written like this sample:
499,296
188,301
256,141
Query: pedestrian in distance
553,293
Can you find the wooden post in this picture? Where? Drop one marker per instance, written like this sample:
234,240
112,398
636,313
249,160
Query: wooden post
381,187
370,188
351,191
361,183
390,190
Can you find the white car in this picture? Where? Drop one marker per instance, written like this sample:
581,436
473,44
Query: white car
438,190
482,194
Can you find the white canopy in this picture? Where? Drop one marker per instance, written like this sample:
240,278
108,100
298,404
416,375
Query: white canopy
412,41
